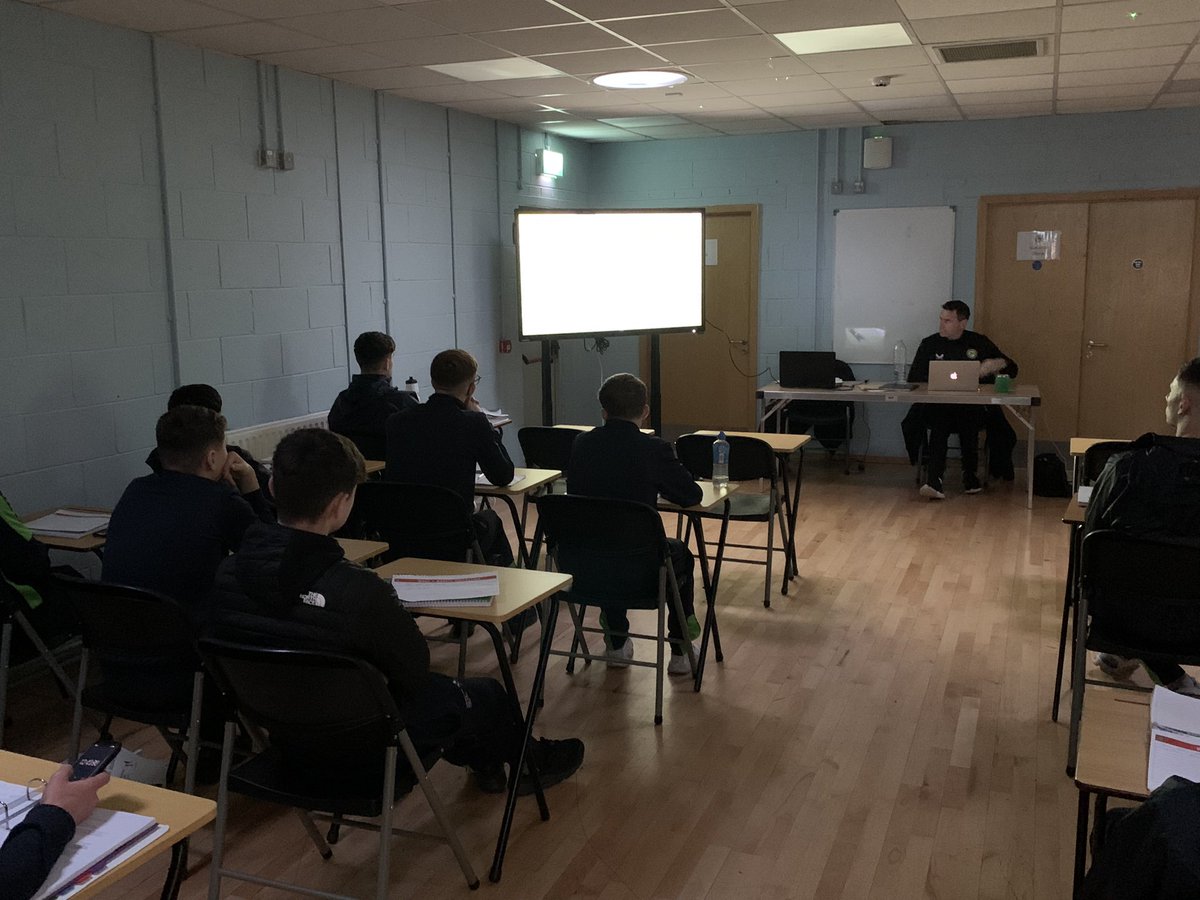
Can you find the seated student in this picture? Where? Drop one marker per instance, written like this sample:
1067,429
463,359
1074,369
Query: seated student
1153,490
618,461
361,411
210,398
953,341
25,570
170,530
31,849
290,585
443,440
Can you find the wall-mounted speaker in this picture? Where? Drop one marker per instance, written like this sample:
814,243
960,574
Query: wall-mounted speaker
877,153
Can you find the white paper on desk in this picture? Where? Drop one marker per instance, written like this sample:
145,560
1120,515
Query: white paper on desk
15,799
482,479
446,590
68,523
105,837
1085,494
1174,737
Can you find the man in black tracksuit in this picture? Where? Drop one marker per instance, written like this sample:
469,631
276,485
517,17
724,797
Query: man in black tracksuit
361,411
954,342
290,585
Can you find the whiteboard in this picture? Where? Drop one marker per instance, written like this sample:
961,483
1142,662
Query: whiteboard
892,271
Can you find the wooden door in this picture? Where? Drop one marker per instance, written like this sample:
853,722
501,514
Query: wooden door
1034,313
1135,333
708,379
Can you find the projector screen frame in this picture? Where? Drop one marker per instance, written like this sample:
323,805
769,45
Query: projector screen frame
684,329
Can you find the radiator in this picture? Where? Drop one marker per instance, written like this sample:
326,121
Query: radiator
260,440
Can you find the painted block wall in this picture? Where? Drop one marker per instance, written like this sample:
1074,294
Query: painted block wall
85,357
936,164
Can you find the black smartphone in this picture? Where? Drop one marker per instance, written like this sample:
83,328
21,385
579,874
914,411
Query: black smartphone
95,759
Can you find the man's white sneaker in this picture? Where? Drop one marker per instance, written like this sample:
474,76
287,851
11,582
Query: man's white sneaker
1116,666
932,491
619,658
679,664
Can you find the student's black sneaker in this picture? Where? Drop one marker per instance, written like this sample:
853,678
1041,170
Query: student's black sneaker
492,780
932,489
556,761
971,484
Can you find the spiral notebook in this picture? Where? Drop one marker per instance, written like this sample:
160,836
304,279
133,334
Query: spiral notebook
417,591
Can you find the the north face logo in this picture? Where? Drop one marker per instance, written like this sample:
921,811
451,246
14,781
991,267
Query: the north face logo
312,598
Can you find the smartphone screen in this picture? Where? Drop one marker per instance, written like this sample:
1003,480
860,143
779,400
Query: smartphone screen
95,759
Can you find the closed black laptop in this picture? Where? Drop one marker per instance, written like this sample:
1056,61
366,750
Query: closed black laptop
807,369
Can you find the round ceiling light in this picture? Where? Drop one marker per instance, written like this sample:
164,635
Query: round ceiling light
654,78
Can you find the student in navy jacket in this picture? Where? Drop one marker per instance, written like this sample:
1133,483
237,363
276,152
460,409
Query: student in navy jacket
619,461
361,411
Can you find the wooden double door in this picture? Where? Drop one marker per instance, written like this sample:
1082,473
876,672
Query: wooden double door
1102,328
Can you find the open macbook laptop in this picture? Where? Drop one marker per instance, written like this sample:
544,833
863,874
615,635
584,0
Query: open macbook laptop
807,369
953,375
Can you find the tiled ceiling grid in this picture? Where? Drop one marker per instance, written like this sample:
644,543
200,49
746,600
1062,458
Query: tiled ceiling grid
1096,55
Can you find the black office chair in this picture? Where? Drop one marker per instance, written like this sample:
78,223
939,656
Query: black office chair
371,446
749,460
1095,458
328,740
149,670
12,617
616,552
546,447
1140,600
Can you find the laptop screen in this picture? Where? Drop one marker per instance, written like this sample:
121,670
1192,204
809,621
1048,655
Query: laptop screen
807,369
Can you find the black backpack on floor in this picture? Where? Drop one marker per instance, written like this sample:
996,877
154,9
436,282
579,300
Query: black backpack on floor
1050,476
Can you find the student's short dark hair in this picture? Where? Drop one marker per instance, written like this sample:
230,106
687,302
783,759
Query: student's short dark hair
1189,374
451,369
959,308
184,434
311,467
623,396
372,348
196,395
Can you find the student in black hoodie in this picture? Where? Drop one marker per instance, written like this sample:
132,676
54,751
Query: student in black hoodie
290,585
361,410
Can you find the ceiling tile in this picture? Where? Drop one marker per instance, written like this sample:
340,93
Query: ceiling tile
931,9
643,121
1093,16
592,131
325,60
894,91
247,38
278,9
149,15
857,60
551,39
697,26
491,107
753,47
689,130
490,15
451,93
793,101
997,68
503,69
835,120
1097,91
991,98
1113,104
806,15
912,75
593,62
876,107
750,113
921,114
785,84
540,87
1011,83
361,26
1115,76
1194,56
430,50
395,77
714,104
753,126
1190,70
612,9
1120,59
1167,101
988,27
754,68
1129,38
1009,110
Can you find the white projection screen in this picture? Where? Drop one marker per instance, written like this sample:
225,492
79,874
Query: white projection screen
609,272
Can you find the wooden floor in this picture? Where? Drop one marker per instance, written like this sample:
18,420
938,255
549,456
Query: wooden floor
882,731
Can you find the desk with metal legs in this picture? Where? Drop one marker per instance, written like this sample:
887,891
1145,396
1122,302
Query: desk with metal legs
531,481
520,589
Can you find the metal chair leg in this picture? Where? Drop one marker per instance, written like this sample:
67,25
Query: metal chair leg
5,657
1077,691
192,747
218,851
439,811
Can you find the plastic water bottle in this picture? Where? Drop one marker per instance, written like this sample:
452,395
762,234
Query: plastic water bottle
411,386
720,477
899,361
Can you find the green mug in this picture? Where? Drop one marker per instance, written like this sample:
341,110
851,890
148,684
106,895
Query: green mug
1003,384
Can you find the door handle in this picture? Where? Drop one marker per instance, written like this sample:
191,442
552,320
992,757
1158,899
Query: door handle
1094,344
